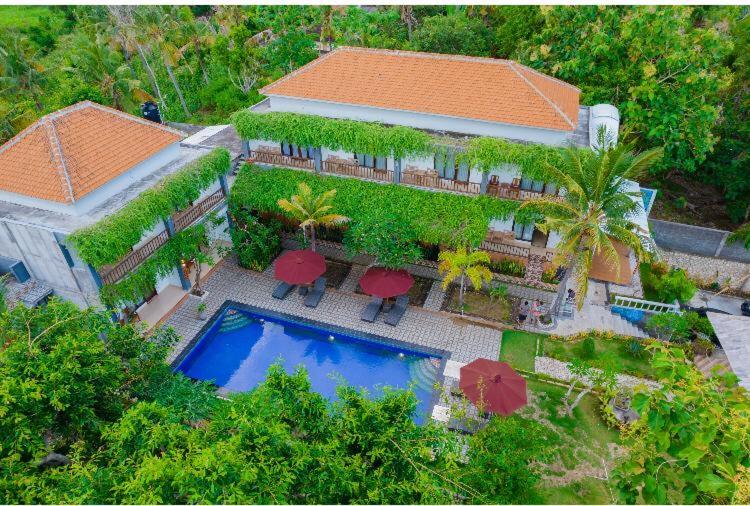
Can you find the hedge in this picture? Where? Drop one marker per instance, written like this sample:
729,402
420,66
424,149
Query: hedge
436,217
113,237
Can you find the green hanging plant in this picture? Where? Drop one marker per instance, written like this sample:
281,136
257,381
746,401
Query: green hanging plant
112,237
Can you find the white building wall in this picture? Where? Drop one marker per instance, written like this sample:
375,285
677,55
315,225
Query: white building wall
418,120
103,193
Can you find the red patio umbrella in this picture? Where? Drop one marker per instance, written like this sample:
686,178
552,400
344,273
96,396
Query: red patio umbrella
299,267
493,385
385,283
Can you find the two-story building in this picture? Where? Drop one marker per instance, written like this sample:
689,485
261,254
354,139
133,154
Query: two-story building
453,98
78,166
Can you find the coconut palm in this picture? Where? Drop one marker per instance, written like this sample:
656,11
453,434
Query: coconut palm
20,71
594,210
461,264
198,34
311,210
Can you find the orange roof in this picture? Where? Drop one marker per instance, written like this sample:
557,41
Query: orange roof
485,89
71,152
603,271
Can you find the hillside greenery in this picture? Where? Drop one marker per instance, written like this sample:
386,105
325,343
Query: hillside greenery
678,74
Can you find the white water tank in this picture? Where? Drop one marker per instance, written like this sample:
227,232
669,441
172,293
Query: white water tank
603,116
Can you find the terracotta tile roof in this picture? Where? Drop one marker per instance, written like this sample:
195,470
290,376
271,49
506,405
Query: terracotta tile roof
71,152
460,86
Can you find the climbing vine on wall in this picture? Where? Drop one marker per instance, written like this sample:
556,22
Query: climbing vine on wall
347,135
484,153
112,237
435,217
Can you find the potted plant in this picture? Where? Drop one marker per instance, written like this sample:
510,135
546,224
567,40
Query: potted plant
201,310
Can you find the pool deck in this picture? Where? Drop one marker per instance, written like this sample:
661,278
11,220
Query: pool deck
463,340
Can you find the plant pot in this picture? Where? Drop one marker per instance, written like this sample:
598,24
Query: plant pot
202,315
546,322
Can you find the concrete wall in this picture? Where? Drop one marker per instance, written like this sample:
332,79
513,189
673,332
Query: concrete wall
40,252
103,193
419,120
693,240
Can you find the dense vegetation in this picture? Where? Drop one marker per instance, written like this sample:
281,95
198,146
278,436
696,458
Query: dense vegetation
127,430
434,217
678,74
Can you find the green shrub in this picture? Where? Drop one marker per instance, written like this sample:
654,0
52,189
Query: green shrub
670,327
391,241
256,244
508,267
550,276
587,348
636,348
663,284
702,346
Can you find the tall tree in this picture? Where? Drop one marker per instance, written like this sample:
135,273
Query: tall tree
594,209
199,37
663,73
20,71
691,444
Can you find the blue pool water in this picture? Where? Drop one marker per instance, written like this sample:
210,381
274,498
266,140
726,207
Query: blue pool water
648,198
630,314
237,350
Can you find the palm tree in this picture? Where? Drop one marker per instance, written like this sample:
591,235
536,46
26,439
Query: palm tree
198,34
594,210
312,211
461,264
131,37
20,71
94,62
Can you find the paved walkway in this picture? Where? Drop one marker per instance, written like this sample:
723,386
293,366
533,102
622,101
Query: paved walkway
463,340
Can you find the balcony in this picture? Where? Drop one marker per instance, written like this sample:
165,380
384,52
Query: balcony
111,274
272,158
505,244
514,192
430,179
346,168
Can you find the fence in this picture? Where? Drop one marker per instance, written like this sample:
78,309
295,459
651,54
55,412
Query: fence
707,242
647,306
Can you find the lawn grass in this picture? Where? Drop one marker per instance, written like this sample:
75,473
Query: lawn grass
584,442
21,16
519,349
614,350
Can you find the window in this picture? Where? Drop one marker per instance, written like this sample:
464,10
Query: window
532,185
448,167
523,232
296,151
373,162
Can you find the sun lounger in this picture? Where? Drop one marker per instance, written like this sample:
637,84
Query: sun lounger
372,309
282,290
397,311
314,295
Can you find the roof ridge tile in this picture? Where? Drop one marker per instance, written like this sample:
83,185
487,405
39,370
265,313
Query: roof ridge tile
545,97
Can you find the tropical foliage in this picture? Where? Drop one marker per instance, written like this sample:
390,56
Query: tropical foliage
113,237
256,244
594,210
391,241
101,396
691,443
666,284
462,264
434,217
312,211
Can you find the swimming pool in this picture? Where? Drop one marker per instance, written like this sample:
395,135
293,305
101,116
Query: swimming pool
240,344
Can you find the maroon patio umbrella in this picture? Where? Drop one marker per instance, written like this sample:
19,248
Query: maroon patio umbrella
299,267
385,283
493,385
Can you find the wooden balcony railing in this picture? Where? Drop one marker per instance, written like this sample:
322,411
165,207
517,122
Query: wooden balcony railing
515,249
133,259
185,218
427,180
281,160
504,191
182,220
355,170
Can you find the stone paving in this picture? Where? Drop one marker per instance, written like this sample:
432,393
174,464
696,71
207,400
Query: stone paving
463,340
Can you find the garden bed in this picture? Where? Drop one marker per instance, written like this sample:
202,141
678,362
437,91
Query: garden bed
479,304
615,349
336,272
